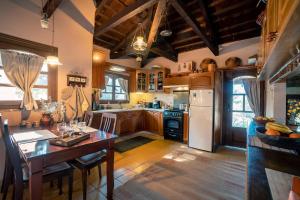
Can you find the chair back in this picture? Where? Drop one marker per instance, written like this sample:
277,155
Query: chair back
108,122
12,152
88,118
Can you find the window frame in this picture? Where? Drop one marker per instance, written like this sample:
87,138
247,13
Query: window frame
114,77
15,43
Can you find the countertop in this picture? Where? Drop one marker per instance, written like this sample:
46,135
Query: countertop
260,158
129,109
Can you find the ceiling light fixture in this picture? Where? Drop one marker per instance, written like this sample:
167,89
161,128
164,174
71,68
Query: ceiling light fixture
138,42
53,59
44,21
117,69
166,32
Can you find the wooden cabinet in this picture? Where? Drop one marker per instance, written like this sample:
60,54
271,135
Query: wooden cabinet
185,127
201,80
154,122
151,80
141,80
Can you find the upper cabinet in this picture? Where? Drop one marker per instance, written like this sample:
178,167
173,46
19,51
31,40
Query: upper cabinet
279,36
141,80
150,80
203,80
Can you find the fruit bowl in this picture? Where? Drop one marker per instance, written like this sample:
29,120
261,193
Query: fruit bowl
262,122
278,141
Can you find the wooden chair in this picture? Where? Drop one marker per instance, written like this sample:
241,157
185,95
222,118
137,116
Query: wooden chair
86,163
21,174
88,118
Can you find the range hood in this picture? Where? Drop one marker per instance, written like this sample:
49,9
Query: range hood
177,81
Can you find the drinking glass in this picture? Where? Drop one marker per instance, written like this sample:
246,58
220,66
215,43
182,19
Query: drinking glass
61,128
82,126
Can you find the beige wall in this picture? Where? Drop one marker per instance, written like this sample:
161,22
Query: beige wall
74,20
242,49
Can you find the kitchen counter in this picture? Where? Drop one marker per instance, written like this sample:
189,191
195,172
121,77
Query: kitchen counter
258,159
129,109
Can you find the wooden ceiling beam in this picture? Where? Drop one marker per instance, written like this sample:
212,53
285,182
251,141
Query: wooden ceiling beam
164,54
161,7
179,7
208,20
51,6
125,14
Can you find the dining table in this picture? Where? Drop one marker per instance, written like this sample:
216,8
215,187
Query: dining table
39,154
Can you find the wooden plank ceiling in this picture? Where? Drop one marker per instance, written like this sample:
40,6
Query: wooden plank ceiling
194,23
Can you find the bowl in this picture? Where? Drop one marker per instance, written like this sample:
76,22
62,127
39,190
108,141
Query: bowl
278,141
262,122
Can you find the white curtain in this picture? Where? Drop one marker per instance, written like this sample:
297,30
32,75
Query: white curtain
22,70
124,85
252,89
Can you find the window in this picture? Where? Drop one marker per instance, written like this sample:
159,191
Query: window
12,93
241,111
116,89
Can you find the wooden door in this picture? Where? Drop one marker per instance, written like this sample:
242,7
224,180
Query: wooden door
237,113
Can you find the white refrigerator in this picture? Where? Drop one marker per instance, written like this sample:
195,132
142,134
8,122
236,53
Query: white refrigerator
201,119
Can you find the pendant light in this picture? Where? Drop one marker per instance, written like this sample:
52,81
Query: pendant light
44,20
138,42
52,59
166,32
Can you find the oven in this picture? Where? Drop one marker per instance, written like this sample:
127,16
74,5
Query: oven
173,125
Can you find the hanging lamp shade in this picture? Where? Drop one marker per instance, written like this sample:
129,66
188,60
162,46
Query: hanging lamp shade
139,44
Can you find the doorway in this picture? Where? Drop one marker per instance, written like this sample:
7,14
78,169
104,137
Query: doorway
237,112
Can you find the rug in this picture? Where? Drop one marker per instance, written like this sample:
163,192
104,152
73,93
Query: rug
131,143
181,175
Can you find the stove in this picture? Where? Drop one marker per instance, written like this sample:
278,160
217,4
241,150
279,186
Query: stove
173,125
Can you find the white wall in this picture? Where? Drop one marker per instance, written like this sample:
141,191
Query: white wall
242,49
276,101
74,21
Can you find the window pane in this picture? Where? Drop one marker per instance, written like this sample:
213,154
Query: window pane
120,97
118,89
237,102
3,77
42,80
117,82
238,88
108,89
106,96
11,94
241,120
40,93
247,106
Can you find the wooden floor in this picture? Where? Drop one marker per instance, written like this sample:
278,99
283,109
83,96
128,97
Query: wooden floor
132,164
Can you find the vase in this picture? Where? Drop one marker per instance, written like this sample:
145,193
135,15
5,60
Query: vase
47,120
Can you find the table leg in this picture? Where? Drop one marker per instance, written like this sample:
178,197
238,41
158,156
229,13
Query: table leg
110,173
36,185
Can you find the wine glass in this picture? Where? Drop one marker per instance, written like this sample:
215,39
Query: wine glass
82,126
61,128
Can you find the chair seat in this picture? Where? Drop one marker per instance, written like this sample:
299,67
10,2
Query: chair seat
91,159
49,170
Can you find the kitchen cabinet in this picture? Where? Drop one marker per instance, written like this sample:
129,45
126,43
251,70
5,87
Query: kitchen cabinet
154,122
279,28
151,80
141,80
203,80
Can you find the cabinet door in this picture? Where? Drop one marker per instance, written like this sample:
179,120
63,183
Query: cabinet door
160,81
141,81
155,119
152,81
185,127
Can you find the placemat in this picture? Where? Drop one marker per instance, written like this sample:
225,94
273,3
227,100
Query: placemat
31,136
